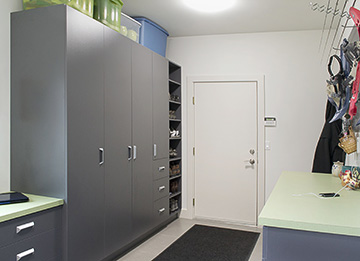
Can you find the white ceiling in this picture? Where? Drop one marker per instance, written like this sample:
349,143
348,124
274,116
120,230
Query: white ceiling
245,17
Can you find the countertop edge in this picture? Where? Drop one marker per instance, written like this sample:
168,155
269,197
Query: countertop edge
310,227
31,210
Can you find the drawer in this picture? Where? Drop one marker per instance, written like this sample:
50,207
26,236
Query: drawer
161,188
161,209
45,246
21,228
160,169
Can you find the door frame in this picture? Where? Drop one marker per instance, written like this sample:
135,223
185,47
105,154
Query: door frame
188,210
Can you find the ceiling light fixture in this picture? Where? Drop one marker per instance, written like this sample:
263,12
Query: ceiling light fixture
209,6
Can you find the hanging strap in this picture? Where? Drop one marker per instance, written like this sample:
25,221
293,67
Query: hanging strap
341,71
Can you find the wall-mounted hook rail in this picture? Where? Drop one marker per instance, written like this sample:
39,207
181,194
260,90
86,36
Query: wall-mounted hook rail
329,10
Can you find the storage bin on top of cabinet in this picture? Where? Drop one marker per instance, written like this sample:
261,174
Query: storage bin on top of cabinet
130,27
84,6
152,36
108,12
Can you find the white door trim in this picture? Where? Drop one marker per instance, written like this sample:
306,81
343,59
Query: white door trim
188,211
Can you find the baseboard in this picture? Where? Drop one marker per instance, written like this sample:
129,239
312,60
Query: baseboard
185,213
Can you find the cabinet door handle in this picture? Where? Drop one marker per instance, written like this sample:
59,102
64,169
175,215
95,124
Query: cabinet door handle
161,188
25,226
134,152
161,210
162,168
101,153
25,254
155,151
129,153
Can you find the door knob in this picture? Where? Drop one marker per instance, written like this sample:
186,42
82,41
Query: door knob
252,152
251,161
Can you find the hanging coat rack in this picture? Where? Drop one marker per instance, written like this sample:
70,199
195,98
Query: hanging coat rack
330,13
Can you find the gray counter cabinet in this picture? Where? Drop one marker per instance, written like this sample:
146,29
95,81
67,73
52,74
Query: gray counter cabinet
83,110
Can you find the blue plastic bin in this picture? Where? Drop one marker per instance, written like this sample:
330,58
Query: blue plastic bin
152,36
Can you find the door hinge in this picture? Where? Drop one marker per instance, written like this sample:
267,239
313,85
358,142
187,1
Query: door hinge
194,151
194,202
193,100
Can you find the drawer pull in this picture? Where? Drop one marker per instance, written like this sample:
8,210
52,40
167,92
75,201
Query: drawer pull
162,168
25,254
23,227
161,210
161,188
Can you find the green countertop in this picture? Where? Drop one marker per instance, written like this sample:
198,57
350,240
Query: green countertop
35,204
339,215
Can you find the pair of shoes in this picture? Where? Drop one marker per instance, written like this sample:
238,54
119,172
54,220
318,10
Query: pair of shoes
173,153
172,114
174,133
174,169
174,204
174,186
174,98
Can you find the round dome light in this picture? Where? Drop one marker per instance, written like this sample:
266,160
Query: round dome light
209,6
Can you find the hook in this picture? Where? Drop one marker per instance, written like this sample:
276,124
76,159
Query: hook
329,10
314,7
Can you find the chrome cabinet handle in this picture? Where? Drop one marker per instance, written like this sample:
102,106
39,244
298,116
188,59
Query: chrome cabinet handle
161,210
155,153
134,153
101,160
129,153
25,226
161,188
162,168
25,254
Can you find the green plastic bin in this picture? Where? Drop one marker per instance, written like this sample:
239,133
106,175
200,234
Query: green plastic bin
84,6
108,12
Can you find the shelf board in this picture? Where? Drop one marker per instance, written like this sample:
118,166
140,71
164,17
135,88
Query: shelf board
174,212
174,159
175,138
175,82
175,194
178,120
175,102
175,177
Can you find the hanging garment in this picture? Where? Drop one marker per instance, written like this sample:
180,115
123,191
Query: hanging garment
344,62
327,150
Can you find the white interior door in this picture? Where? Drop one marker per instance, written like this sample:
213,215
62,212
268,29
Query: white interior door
226,151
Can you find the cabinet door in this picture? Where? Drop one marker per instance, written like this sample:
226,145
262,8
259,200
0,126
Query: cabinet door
117,82
142,138
160,107
85,134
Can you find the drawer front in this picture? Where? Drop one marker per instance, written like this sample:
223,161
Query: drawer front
161,210
46,246
161,188
160,169
24,227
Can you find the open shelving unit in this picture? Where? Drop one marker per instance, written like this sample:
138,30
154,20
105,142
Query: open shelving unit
175,134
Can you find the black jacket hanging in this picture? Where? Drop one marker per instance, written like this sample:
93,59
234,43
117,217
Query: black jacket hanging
327,149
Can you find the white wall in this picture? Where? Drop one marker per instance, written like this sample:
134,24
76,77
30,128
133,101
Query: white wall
7,6
294,87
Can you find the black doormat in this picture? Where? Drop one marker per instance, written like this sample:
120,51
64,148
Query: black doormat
211,243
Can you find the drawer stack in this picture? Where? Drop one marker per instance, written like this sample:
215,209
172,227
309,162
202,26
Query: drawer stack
161,190
32,237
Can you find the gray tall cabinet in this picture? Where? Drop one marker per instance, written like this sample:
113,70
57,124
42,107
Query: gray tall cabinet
89,123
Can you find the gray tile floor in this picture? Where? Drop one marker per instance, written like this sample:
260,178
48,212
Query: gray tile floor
160,241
